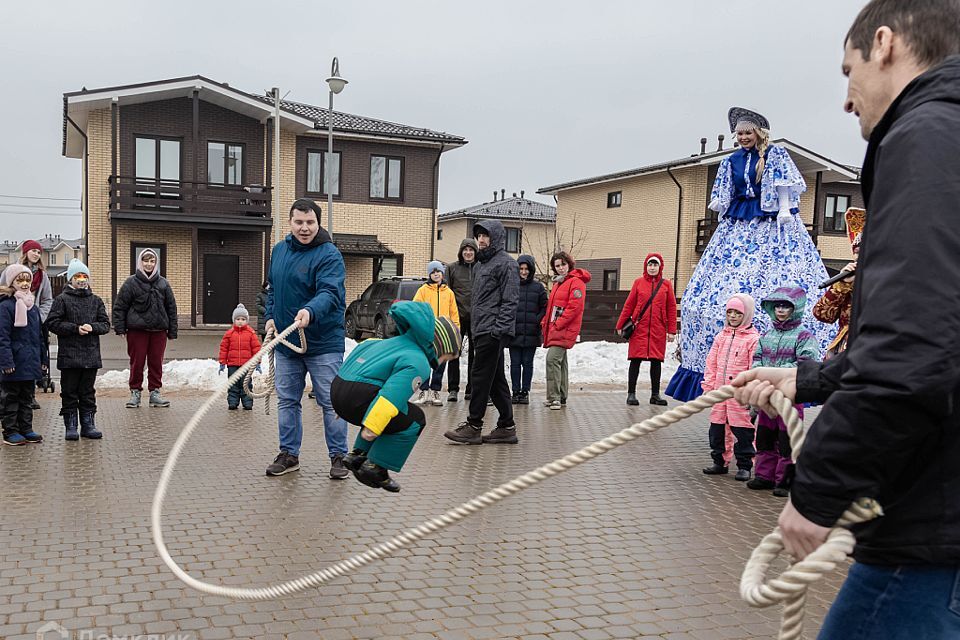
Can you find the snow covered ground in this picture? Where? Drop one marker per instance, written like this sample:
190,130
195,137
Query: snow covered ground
590,363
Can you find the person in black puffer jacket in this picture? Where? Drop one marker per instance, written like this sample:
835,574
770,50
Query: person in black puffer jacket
493,321
145,311
78,318
531,308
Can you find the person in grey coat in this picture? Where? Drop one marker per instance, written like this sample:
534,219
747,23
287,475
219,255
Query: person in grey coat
460,280
493,312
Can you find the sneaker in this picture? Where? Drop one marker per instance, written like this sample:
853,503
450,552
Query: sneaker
465,433
232,407
32,437
489,402
34,404
337,469
632,400
743,475
312,395
421,398
555,405
781,492
715,470
501,435
549,403
14,440
157,400
437,400
373,475
563,402
657,400
452,396
515,398
466,396
760,484
524,397
284,463
248,407
134,401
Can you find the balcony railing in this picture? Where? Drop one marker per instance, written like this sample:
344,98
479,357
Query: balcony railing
187,197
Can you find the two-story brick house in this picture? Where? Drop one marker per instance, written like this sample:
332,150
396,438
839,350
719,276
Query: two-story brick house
185,166
624,216
529,225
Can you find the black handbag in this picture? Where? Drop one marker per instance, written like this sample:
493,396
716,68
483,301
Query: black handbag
631,325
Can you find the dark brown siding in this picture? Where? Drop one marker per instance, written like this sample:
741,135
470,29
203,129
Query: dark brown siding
174,118
246,244
417,186
596,267
836,189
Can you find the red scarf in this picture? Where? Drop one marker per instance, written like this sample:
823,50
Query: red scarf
37,280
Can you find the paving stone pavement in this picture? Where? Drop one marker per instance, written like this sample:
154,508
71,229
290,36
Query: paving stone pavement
636,544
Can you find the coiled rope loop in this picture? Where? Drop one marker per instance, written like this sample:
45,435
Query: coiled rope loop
269,378
755,588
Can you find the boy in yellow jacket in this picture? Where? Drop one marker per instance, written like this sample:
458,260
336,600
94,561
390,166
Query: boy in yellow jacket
440,297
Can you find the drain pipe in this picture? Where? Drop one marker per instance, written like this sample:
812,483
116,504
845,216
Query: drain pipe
676,251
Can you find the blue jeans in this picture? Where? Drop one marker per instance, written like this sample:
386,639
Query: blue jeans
896,603
290,382
435,383
521,368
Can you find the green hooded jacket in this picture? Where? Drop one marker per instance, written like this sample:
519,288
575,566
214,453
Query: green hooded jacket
787,342
396,365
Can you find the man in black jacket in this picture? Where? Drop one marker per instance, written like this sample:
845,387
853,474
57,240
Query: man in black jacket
496,279
890,426
460,281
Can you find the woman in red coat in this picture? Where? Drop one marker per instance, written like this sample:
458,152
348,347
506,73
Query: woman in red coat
655,326
561,325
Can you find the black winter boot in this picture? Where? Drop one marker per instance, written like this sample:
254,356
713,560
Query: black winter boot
70,422
373,475
632,399
87,428
354,459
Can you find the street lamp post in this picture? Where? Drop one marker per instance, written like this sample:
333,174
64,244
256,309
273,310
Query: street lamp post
336,84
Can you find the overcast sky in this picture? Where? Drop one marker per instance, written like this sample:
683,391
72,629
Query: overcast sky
543,91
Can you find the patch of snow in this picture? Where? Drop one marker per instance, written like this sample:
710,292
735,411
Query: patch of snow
590,363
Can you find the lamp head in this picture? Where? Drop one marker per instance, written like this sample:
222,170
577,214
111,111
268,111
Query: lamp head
335,81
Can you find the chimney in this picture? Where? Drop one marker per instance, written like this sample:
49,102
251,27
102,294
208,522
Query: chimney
703,146
720,142
521,193
503,194
514,194
494,195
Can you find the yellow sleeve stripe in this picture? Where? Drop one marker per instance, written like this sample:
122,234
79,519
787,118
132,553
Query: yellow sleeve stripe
380,415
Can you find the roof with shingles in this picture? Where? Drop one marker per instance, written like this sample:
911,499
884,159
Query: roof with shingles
348,122
506,209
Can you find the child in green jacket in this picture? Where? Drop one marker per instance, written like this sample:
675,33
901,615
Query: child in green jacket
374,385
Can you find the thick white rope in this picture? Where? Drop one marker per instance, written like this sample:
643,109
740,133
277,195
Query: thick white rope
789,588
268,379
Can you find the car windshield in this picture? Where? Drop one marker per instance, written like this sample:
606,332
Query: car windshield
408,290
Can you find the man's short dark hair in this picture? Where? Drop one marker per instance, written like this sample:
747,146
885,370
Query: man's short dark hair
930,28
306,205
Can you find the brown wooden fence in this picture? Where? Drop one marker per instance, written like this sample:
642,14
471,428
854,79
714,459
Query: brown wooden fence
600,315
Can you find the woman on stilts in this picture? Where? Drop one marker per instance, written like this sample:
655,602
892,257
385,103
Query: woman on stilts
760,244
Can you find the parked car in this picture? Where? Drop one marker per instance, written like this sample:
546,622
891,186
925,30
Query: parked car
368,313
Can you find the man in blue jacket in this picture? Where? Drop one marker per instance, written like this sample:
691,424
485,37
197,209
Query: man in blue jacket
307,288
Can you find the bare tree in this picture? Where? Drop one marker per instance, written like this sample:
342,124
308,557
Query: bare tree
571,239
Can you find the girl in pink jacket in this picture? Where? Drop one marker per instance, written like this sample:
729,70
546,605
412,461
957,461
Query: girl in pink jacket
732,353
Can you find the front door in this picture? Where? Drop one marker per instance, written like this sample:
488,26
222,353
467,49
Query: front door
222,291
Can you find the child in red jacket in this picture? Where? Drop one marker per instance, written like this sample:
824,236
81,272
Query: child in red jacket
239,344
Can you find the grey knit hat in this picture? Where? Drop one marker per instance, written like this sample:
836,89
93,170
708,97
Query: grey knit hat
240,312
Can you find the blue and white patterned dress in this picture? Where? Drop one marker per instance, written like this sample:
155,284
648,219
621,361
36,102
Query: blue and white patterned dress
747,254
